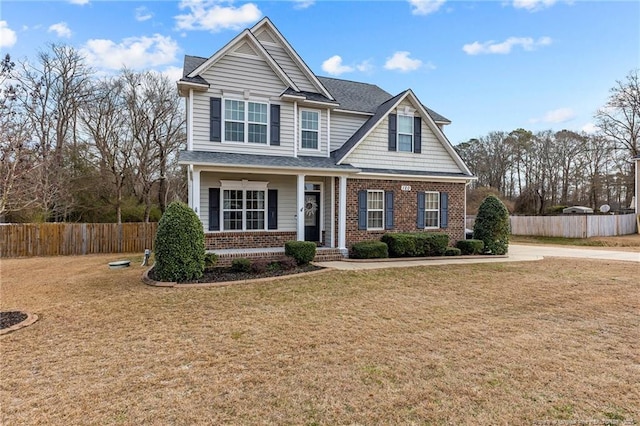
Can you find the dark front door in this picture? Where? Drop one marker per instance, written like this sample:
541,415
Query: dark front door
312,216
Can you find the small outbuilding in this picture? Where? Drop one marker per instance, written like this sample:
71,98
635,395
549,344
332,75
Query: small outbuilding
578,210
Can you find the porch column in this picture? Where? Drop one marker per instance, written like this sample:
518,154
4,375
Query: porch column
300,207
196,191
332,237
342,214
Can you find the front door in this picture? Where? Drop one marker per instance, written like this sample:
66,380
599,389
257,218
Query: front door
312,216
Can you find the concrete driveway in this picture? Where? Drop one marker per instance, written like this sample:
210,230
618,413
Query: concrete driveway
517,253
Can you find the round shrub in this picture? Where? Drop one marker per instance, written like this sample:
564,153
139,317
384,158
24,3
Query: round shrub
470,246
492,226
179,245
372,249
302,251
452,251
241,265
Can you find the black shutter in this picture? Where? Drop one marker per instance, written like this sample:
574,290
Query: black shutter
420,221
275,125
393,134
388,210
417,135
272,200
214,209
215,119
362,209
444,210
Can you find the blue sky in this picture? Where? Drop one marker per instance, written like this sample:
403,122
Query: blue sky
485,65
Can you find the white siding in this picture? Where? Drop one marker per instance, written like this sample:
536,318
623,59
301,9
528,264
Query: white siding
289,66
373,152
236,74
343,126
286,186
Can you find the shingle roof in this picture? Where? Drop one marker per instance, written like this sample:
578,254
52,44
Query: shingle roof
311,96
354,96
271,161
190,64
413,172
368,125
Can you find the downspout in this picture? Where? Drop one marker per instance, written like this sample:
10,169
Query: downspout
295,129
328,132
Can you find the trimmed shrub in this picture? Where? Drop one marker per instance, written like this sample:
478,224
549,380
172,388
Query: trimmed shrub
492,226
470,246
210,260
371,249
179,245
302,251
452,251
400,245
429,244
241,265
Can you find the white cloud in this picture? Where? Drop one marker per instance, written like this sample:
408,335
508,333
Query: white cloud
303,4
533,5
214,16
79,2
143,14
61,29
492,47
8,37
365,66
132,52
173,73
589,128
402,62
556,116
334,66
425,7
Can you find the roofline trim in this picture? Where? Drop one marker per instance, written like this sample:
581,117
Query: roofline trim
418,177
248,35
261,166
301,64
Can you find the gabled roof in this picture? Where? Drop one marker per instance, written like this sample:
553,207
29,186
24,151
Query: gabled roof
361,134
293,55
366,128
247,36
190,64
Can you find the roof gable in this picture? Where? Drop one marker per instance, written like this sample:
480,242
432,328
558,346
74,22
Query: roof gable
266,32
243,43
382,112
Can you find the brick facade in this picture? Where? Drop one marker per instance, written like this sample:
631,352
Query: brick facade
240,240
405,209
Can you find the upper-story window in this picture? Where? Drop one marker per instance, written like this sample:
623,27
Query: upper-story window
405,133
309,129
245,121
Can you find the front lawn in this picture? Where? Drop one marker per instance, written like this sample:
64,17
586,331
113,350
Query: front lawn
511,343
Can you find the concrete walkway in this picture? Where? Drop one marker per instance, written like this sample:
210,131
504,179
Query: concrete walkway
517,253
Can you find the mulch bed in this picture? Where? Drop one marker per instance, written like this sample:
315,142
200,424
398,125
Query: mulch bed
216,275
10,318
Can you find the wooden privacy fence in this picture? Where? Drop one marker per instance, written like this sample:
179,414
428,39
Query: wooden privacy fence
574,226
52,239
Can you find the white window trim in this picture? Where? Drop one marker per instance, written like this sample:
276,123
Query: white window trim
244,186
246,121
300,110
369,191
398,132
437,210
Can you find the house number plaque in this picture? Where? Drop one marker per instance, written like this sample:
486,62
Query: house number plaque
406,187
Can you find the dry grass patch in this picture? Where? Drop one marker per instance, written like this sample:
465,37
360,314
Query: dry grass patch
462,344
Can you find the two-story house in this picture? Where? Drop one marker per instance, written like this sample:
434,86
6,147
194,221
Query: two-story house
276,153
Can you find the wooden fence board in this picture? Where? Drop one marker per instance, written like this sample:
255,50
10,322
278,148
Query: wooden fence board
53,239
574,226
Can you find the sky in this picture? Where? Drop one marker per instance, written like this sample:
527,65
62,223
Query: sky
485,65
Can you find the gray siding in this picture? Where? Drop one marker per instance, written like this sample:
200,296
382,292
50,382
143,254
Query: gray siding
343,126
289,66
373,152
286,186
235,74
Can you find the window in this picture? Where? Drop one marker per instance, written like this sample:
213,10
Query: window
309,129
375,209
244,205
236,121
405,133
431,209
